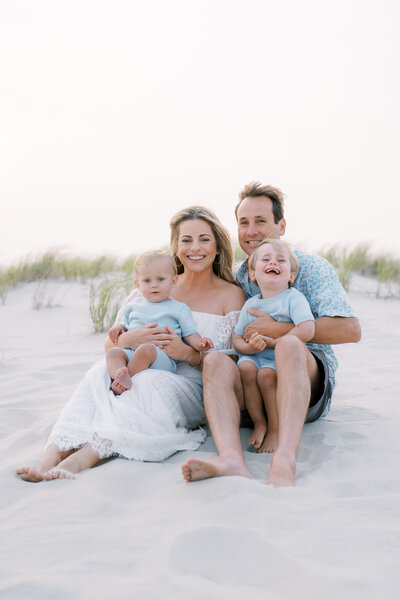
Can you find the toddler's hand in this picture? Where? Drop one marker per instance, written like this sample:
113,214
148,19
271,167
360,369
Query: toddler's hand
257,342
269,342
206,344
115,332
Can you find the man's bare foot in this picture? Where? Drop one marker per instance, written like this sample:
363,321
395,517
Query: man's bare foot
256,438
282,472
30,474
270,442
122,381
194,470
58,473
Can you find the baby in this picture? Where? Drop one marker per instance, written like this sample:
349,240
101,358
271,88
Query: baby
155,276
273,266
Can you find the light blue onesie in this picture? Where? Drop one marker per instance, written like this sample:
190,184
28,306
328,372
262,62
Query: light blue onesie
288,306
170,312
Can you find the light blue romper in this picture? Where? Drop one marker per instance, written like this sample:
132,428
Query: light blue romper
170,312
288,306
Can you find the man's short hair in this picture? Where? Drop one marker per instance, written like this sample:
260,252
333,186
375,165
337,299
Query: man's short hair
255,190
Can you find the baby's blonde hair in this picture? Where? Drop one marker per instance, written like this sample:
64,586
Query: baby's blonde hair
146,258
278,245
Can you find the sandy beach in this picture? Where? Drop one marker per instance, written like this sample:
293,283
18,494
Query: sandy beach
137,530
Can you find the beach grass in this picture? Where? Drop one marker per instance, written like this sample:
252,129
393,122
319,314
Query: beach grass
111,278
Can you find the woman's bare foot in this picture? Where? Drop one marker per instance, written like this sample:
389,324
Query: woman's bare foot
51,457
270,442
256,438
57,473
194,470
122,381
30,474
282,472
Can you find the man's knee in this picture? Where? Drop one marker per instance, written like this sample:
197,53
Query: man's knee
289,346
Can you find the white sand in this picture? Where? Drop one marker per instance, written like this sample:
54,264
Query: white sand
137,530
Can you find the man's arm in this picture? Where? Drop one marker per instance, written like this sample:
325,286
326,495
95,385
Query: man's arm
336,330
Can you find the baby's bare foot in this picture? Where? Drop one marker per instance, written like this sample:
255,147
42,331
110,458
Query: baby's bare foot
270,442
122,381
30,474
194,470
256,438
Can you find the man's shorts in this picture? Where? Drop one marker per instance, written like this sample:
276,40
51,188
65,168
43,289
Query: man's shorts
318,406
162,362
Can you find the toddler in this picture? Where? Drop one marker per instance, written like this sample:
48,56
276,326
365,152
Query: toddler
273,266
155,276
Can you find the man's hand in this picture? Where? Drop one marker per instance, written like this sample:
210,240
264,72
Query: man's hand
265,325
115,332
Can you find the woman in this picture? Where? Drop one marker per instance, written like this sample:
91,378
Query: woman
157,416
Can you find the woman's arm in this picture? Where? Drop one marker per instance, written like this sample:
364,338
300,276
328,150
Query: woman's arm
149,333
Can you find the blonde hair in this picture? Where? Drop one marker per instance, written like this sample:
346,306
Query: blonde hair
146,258
280,246
223,262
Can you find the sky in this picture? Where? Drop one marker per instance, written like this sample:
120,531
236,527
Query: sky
115,114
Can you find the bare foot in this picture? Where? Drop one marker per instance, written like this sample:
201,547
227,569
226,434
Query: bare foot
270,442
282,472
256,438
58,473
30,474
122,381
194,470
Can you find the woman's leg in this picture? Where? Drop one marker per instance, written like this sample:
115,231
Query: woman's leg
51,457
82,459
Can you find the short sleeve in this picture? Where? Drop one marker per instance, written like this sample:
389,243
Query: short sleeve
300,310
243,320
120,318
318,281
186,321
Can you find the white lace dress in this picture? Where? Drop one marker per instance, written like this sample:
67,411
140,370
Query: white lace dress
158,416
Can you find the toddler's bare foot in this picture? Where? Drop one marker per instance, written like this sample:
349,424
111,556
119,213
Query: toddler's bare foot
122,381
194,470
58,473
270,442
282,472
30,474
256,438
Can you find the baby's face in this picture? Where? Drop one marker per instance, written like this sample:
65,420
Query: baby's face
272,269
155,280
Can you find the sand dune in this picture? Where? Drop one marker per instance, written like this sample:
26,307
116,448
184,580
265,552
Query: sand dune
130,530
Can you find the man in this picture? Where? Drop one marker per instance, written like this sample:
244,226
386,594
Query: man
305,374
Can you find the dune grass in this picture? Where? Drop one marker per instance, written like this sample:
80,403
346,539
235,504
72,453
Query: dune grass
111,279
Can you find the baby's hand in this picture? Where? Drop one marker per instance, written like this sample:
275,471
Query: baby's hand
269,342
115,332
206,344
257,342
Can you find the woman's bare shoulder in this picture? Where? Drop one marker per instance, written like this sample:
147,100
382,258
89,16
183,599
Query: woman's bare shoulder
234,297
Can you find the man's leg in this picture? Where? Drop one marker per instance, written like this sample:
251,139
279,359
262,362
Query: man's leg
298,377
223,399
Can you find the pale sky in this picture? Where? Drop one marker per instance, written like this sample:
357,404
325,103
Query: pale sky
115,114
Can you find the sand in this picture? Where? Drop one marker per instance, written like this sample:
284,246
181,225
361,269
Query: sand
137,530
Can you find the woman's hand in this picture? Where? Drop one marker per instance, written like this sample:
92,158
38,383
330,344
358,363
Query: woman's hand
149,333
176,349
